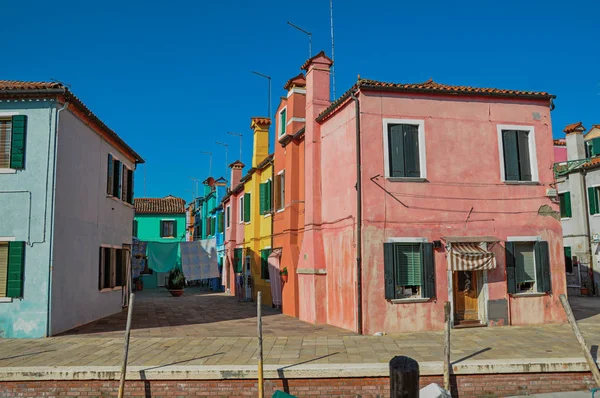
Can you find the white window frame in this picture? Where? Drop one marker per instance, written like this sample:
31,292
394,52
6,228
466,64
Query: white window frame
532,152
422,150
241,206
8,170
228,217
281,125
174,232
416,298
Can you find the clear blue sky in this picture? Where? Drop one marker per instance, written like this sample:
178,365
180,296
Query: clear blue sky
173,77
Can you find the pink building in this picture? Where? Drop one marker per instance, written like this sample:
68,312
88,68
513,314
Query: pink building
449,203
234,230
560,151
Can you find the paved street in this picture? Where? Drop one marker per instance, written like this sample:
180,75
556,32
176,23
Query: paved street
180,334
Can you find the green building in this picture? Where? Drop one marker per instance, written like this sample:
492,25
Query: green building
159,220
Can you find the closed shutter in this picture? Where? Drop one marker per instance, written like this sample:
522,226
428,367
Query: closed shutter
396,150
228,216
237,258
567,206
18,142
428,272
174,225
277,196
525,263
119,281
388,270
100,268
117,179
511,281
411,150
407,264
162,229
221,222
593,199
269,204
524,161
594,146
263,198
568,260
542,265
247,207
3,267
110,175
264,263
125,185
282,122
511,155
16,265
213,229
135,228
129,186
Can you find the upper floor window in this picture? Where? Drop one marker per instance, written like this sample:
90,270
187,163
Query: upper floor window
228,216
241,209
280,190
265,192
247,207
168,228
404,148
282,122
518,157
565,204
12,142
119,180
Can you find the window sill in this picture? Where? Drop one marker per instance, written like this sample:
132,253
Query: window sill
522,182
410,300
111,289
267,215
565,218
406,179
533,294
8,171
280,210
6,300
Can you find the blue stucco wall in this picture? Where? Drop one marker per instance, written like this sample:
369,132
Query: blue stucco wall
26,216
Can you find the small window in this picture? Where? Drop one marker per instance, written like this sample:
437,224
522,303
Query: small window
403,150
282,122
593,200
167,229
280,191
528,267
568,260
242,208
12,263
264,264
238,258
228,216
247,202
525,267
565,204
409,270
13,139
265,193
113,270
117,174
5,140
517,162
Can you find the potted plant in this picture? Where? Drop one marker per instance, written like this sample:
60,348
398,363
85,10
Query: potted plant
284,274
584,289
176,282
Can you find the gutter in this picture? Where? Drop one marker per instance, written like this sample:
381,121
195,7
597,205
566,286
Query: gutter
359,310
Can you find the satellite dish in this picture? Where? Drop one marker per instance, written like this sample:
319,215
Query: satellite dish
210,182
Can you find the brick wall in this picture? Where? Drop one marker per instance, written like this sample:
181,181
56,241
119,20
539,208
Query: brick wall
463,386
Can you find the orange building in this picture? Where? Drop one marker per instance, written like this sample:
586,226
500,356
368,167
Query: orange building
288,195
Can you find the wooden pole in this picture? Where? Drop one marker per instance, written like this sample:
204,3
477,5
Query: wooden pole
580,339
447,346
126,353
261,392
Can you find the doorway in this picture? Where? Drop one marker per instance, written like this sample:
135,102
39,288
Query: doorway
466,298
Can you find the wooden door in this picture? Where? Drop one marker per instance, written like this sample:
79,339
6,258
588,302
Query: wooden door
465,296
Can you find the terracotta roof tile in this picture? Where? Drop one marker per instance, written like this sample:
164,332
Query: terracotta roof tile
265,121
571,128
592,163
167,205
237,164
299,80
321,54
560,142
18,85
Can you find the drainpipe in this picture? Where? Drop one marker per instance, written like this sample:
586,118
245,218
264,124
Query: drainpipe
52,218
588,231
359,315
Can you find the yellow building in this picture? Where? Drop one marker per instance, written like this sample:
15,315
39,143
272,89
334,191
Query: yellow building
257,210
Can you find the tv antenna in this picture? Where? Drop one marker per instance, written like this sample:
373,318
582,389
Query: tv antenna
306,33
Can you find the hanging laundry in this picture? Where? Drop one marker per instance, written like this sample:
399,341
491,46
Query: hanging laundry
274,276
199,259
138,257
162,257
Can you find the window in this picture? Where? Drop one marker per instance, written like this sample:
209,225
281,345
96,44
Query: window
247,207
264,264
404,148
282,122
568,260
113,270
213,229
593,200
242,209
280,190
517,153
12,262
114,175
408,270
168,228
565,204
238,258
221,222
13,141
265,197
135,228
528,267
127,194
228,216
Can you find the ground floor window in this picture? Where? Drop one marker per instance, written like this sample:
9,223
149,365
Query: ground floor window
568,260
112,267
409,270
528,267
12,262
238,260
264,264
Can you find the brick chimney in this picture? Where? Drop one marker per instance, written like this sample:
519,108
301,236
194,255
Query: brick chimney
260,126
236,173
295,106
575,142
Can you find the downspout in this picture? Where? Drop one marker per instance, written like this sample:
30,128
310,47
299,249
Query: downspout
272,201
588,231
359,315
49,311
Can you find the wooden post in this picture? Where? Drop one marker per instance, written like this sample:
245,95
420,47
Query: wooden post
447,346
126,353
261,392
580,339
404,377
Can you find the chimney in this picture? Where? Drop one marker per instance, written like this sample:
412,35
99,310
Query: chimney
296,105
575,142
236,173
260,125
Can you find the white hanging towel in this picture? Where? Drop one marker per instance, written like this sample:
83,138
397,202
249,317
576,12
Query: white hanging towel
199,259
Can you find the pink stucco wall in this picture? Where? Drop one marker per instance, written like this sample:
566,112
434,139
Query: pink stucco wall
560,153
234,235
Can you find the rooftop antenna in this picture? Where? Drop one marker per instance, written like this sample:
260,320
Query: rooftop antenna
196,181
145,167
309,37
58,81
239,135
332,49
226,149
209,161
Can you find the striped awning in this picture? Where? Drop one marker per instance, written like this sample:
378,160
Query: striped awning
470,257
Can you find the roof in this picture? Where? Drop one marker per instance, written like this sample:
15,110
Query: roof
311,59
289,138
298,80
237,164
166,205
10,88
573,127
433,88
560,143
265,121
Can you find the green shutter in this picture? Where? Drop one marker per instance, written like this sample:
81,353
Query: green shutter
264,263
542,267
109,175
18,142
269,207
407,262
247,207
213,228
594,146
593,199
411,150
263,198
237,259
396,150
388,270
511,158
221,222
16,265
524,262
175,235
511,282
428,272
162,229
282,122
524,161
565,204
568,260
